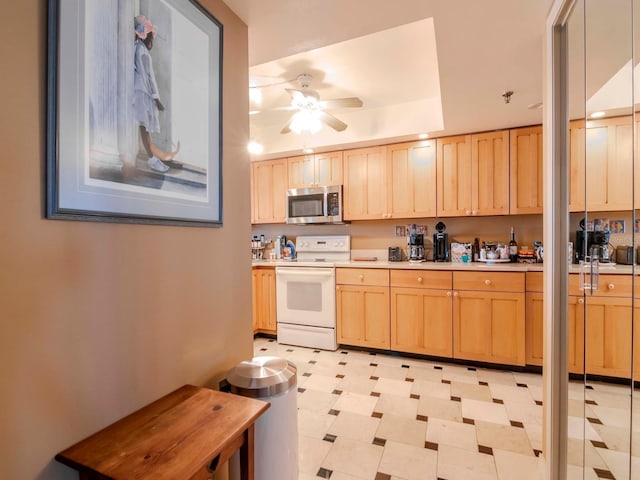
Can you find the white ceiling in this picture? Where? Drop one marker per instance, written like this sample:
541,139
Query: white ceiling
405,59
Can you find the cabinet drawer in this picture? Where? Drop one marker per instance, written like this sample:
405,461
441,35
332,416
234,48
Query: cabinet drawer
534,282
421,279
362,276
608,286
489,281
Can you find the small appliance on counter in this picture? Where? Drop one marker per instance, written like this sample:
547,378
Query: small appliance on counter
593,244
416,245
625,255
395,254
440,244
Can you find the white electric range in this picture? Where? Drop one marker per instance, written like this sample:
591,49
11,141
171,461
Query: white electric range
306,295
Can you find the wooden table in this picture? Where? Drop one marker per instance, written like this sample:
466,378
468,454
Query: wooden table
183,435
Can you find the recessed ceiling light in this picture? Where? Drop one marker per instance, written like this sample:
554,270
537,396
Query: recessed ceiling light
597,114
255,147
422,136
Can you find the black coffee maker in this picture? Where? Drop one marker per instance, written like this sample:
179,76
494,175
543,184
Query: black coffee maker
416,245
592,244
440,244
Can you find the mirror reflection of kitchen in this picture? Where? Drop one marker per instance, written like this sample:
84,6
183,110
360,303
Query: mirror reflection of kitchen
603,425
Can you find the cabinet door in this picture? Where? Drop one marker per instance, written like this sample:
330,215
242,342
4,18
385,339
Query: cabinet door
453,158
269,191
421,321
607,333
525,160
534,328
365,184
489,327
490,173
328,168
412,179
264,300
362,316
576,166
605,168
301,171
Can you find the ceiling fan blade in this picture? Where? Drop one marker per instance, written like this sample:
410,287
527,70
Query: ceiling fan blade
287,127
348,102
333,122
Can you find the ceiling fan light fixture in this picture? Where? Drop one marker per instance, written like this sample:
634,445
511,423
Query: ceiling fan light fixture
306,120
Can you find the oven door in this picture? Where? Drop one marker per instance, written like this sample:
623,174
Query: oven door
306,296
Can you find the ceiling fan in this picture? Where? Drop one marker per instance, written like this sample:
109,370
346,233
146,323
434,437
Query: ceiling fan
311,111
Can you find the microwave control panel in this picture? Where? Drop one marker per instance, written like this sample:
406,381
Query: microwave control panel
333,204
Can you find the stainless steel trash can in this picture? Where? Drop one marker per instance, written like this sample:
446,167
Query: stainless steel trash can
273,380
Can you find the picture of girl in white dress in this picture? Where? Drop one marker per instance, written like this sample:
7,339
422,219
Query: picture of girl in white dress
146,98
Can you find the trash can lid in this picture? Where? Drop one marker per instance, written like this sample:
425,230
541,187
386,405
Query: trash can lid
262,377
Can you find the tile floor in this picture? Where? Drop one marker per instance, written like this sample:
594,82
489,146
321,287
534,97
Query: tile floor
364,416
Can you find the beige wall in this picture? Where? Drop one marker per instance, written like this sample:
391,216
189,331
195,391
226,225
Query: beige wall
98,319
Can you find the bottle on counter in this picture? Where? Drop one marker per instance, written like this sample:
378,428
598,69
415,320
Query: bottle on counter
476,249
513,247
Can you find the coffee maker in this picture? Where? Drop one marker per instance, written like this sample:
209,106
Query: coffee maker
440,244
416,245
592,244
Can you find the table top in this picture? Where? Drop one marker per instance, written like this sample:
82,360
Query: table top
171,438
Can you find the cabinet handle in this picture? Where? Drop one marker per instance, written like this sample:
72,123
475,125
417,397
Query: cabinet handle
337,288
419,279
611,286
456,294
474,212
361,277
468,212
487,282
448,294
581,300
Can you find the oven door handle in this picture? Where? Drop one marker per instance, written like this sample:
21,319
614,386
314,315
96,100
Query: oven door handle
304,271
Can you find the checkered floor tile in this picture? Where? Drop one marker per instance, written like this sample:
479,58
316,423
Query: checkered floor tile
365,416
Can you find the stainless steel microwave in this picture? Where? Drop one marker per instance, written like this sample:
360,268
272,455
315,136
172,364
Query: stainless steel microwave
314,205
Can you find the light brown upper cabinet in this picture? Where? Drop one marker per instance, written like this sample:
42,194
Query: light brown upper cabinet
526,170
411,174
317,170
607,170
365,184
268,189
473,174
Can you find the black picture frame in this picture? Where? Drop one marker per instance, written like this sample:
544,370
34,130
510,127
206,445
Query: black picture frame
99,92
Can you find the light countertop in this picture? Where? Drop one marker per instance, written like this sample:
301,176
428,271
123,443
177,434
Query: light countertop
474,266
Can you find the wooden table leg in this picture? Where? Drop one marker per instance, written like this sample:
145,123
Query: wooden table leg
246,455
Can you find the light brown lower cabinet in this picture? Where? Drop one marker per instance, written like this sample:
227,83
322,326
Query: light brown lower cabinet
422,312
599,328
489,317
362,307
264,299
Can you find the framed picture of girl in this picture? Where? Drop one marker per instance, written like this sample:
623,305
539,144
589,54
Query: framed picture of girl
134,112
